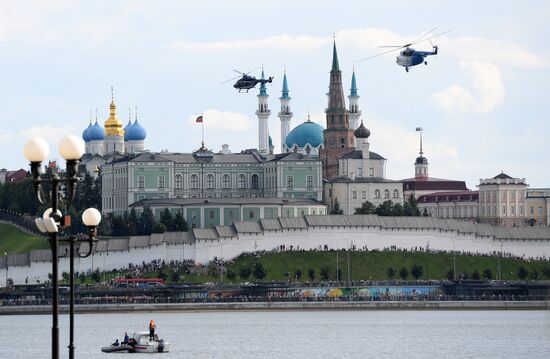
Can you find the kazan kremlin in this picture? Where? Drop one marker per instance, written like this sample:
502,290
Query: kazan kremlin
265,198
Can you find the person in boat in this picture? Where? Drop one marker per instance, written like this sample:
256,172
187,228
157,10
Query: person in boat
126,338
116,343
152,327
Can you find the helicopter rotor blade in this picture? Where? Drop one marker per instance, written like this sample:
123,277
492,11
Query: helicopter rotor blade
393,46
231,79
237,71
423,36
431,37
379,54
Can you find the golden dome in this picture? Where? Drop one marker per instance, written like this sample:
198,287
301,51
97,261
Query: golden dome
113,126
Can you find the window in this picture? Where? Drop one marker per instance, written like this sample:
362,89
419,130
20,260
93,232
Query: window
363,195
371,172
309,181
330,192
141,184
178,182
504,210
532,211
360,172
540,210
242,181
160,181
377,193
251,215
225,181
194,181
521,210
395,193
341,119
354,195
513,210
255,181
210,181
386,193
289,181
193,214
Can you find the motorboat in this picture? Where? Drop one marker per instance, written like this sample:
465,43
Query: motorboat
140,342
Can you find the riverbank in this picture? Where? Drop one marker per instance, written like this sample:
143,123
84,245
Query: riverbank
260,306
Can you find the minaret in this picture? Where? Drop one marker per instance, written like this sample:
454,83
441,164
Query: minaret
285,115
354,112
338,136
114,133
263,117
421,163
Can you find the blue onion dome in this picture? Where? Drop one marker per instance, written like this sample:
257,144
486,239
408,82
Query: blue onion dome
361,131
96,133
128,125
307,132
136,132
85,133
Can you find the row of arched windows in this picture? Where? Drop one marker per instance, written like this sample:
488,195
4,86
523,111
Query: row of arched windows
386,194
210,183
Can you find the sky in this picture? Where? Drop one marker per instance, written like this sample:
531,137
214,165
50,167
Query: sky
482,101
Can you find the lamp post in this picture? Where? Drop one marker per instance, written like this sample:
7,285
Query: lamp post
36,151
6,255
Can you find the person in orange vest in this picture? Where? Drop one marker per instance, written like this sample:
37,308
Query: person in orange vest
152,327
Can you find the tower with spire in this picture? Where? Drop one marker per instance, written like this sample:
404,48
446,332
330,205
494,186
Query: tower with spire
114,133
338,136
421,162
354,112
285,115
263,113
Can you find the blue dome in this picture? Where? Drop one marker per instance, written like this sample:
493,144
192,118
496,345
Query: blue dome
96,133
85,133
128,126
307,132
135,133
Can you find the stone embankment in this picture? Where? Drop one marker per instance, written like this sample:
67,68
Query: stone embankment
355,305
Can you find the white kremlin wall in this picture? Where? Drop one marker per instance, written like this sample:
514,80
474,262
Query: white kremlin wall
202,245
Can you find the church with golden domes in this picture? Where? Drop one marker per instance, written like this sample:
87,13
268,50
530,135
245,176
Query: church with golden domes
112,140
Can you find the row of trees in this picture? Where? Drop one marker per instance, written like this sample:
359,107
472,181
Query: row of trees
387,208
133,223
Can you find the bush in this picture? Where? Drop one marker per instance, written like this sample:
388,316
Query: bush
535,275
325,273
487,273
311,274
245,272
475,275
403,273
298,274
259,271
96,277
390,272
546,272
450,274
522,273
417,271
175,278
230,274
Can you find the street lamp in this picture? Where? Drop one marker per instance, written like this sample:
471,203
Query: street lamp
71,148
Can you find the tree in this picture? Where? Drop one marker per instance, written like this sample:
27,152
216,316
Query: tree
298,274
259,271
230,274
475,275
390,272
535,275
133,222
450,274
175,277
325,273
546,272
179,223
417,271
385,209
366,208
166,219
336,208
397,210
65,277
487,273
96,277
311,274
245,272
411,207
403,273
159,228
162,274
146,222
522,273
82,277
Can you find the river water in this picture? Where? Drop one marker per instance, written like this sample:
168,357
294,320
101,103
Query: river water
296,334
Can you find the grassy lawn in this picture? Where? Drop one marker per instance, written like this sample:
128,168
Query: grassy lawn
12,240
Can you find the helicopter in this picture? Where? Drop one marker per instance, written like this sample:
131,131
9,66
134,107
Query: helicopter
247,82
410,57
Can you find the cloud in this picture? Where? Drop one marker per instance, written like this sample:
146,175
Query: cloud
226,121
280,42
488,87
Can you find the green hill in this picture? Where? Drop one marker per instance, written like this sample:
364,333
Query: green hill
12,240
